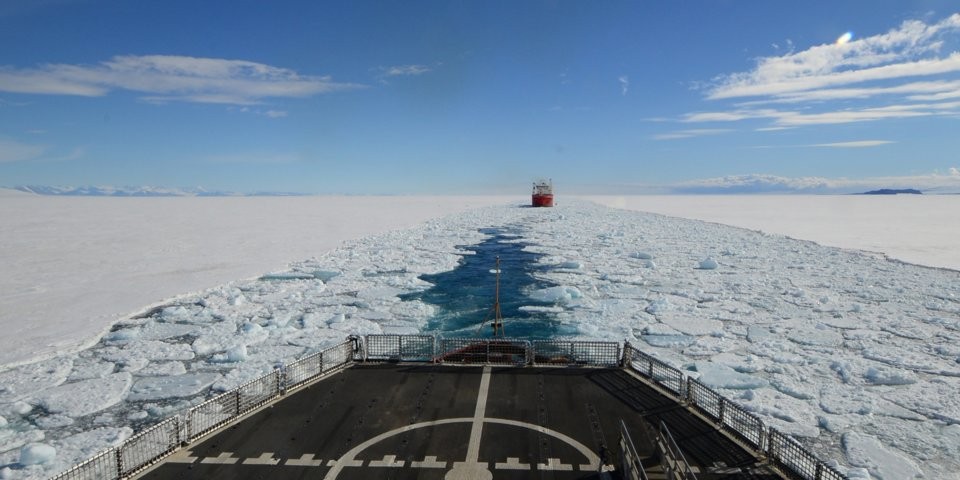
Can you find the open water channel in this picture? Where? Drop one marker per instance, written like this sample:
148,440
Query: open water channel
464,296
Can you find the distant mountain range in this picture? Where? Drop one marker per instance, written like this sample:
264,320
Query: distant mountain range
111,191
893,191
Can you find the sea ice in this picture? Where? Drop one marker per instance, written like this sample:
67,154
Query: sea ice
787,328
155,388
889,376
715,375
883,462
668,341
37,454
150,350
162,369
821,335
11,439
691,325
708,264
558,295
20,382
85,396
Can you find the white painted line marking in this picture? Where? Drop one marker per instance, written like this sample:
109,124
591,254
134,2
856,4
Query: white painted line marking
305,460
266,458
185,456
469,471
555,464
430,461
592,467
225,458
345,463
388,461
476,431
512,463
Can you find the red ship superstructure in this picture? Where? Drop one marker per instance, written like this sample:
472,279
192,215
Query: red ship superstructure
543,193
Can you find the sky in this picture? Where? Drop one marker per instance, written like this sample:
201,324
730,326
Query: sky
446,96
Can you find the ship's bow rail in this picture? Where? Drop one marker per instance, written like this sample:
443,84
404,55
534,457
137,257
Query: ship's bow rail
781,452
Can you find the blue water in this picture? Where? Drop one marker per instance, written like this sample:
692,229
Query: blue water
464,296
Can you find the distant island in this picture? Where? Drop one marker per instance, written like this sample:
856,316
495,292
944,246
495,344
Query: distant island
892,191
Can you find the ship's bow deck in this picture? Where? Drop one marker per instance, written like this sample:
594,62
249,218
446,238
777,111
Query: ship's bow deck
452,422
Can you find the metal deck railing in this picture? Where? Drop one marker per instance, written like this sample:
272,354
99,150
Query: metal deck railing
791,459
631,464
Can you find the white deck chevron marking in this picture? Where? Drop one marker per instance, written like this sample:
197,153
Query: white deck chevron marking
388,461
265,458
429,461
225,458
512,463
555,464
305,460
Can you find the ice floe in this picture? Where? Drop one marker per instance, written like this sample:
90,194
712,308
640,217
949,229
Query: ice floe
154,388
84,397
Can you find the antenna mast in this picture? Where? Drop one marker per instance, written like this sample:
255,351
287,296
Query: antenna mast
497,316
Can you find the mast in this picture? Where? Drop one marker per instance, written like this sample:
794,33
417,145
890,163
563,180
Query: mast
497,316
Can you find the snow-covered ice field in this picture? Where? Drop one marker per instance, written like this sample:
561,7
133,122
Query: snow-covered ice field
74,265
921,229
855,354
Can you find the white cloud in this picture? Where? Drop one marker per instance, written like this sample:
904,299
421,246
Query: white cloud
624,84
170,78
405,70
696,132
791,118
894,54
13,151
275,113
761,183
750,183
731,116
932,90
902,73
854,144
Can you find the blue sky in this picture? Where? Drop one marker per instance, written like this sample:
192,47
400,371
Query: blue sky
474,97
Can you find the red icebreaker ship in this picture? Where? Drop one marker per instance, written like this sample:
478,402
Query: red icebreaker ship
543,194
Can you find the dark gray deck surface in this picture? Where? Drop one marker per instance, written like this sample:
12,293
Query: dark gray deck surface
431,422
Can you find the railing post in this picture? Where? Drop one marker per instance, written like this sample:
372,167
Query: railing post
238,402
722,403
177,423
762,444
770,452
357,347
819,474
279,375
627,355
119,461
